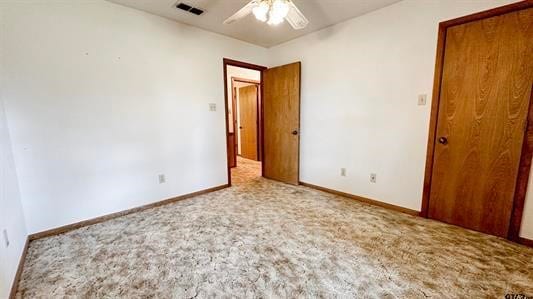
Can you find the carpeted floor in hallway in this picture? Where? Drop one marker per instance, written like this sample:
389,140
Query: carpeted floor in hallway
265,239
246,171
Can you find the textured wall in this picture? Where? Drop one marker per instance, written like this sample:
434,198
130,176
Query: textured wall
102,98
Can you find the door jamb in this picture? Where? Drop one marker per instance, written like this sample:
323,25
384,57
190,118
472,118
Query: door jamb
234,122
226,62
527,148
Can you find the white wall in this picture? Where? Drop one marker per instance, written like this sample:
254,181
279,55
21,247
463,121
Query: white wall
11,214
102,98
360,82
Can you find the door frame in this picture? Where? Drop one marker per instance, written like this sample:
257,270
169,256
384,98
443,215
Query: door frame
234,121
527,147
258,116
225,63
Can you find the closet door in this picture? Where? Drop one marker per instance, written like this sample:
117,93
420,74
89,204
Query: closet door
485,92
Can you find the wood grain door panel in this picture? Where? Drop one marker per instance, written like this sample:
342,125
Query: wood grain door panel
281,133
231,150
484,101
248,121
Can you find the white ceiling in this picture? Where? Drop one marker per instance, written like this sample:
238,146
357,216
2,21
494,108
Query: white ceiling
321,14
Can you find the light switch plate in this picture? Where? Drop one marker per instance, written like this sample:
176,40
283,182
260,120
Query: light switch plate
422,99
212,107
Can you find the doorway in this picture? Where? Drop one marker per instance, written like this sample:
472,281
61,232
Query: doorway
479,149
243,88
246,104
262,121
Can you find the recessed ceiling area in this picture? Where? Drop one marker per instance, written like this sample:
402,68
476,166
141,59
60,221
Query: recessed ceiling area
321,14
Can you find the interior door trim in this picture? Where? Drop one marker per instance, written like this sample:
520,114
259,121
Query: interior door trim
226,62
527,149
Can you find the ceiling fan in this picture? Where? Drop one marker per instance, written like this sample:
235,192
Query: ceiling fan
273,12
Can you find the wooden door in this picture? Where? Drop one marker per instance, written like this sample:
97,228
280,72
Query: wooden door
484,101
281,121
232,155
248,121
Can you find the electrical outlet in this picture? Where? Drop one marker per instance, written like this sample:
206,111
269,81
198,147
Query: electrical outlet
343,171
422,99
6,237
162,179
373,177
212,107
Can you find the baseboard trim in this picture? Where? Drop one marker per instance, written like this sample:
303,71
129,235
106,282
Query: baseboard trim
525,242
73,226
363,199
15,284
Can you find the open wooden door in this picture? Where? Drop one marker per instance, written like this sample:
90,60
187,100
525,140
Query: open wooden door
248,121
281,121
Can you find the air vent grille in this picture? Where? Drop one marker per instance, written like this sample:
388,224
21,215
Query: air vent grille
189,8
184,6
196,11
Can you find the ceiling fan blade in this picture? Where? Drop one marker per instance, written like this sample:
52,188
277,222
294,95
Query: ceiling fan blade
243,12
295,17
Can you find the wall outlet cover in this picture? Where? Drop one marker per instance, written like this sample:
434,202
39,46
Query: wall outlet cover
373,177
212,107
343,171
162,178
422,99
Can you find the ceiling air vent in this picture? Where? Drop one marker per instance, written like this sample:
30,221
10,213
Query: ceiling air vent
189,8
196,11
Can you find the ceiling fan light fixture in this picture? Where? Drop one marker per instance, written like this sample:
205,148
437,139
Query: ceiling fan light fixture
280,8
273,12
278,11
274,20
260,11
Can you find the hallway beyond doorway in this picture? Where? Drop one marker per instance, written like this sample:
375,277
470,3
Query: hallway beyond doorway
247,170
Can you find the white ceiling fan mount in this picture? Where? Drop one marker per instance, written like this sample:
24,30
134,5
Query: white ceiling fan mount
273,12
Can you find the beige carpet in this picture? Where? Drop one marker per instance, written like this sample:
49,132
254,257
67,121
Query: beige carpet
270,240
246,171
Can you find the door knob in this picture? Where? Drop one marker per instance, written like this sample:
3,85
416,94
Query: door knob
294,132
240,127
443,140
